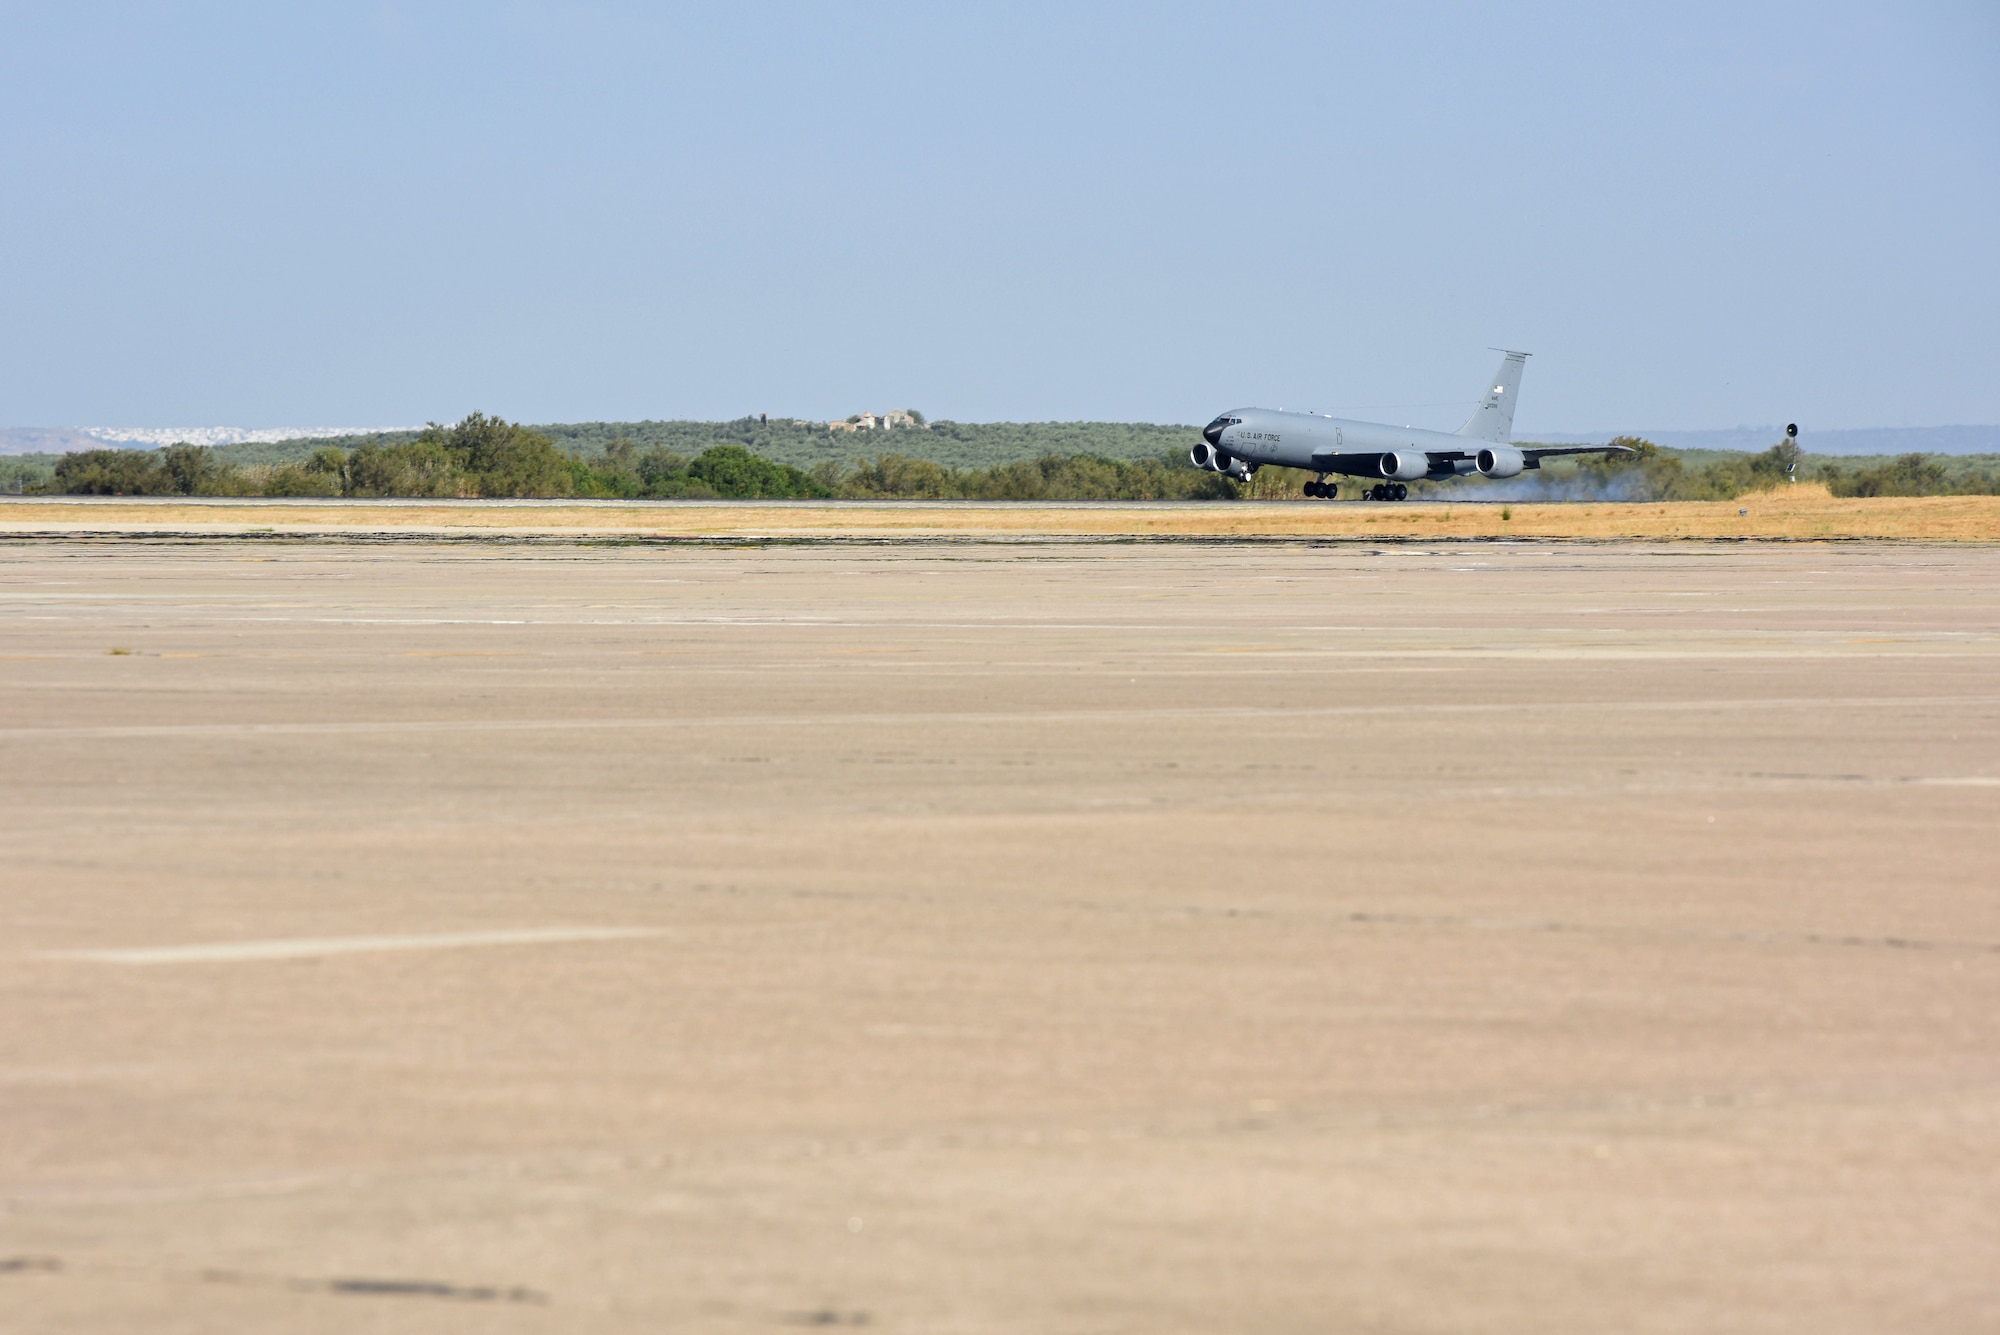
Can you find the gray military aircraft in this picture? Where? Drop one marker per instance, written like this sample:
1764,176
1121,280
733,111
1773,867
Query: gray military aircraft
1243,440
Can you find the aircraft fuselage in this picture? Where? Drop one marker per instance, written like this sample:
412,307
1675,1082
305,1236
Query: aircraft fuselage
1318,444
1241,441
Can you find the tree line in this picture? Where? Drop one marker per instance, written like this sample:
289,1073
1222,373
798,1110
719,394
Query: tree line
959,444
1651,474
483,456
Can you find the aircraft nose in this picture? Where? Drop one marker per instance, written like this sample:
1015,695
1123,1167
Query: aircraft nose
1212,433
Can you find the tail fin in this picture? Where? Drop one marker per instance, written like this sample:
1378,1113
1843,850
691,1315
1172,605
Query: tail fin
1493,419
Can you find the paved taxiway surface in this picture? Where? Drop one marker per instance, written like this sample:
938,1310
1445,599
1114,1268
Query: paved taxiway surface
1014,938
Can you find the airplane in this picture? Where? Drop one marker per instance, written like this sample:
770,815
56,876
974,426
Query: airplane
1243,440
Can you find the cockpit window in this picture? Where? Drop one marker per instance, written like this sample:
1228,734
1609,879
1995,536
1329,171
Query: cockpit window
1212,433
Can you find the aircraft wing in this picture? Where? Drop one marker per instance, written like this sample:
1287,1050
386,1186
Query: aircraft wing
1548,451
1530,453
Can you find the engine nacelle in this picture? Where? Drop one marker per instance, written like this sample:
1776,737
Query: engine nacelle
1501,461
1218,460
1405,465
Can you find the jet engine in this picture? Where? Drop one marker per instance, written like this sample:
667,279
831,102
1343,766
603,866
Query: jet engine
1501,461
1218,460
1405,465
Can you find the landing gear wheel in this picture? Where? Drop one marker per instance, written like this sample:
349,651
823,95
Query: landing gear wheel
1375,493
1402,492
1329,490
1312,489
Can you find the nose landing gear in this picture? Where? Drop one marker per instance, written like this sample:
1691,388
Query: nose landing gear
1321,489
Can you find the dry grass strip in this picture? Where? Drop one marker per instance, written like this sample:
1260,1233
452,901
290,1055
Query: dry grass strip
1797,512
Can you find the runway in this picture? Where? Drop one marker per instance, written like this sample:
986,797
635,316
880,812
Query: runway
999,936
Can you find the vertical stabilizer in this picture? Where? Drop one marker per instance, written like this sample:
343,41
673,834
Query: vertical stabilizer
1493,419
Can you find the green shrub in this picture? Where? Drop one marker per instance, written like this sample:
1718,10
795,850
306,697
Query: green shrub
109,473
420,468
1910,475
1052,477
293,480
502,459
177,470
890,475
734,472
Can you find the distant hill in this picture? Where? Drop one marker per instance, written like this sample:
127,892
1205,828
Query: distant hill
67,439
1864,440
45,440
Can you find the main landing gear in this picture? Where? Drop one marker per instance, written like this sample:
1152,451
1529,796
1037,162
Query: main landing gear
1320,489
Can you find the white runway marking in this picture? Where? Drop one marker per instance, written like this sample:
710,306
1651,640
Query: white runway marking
307,947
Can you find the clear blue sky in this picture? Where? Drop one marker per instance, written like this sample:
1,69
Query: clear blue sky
1694,215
